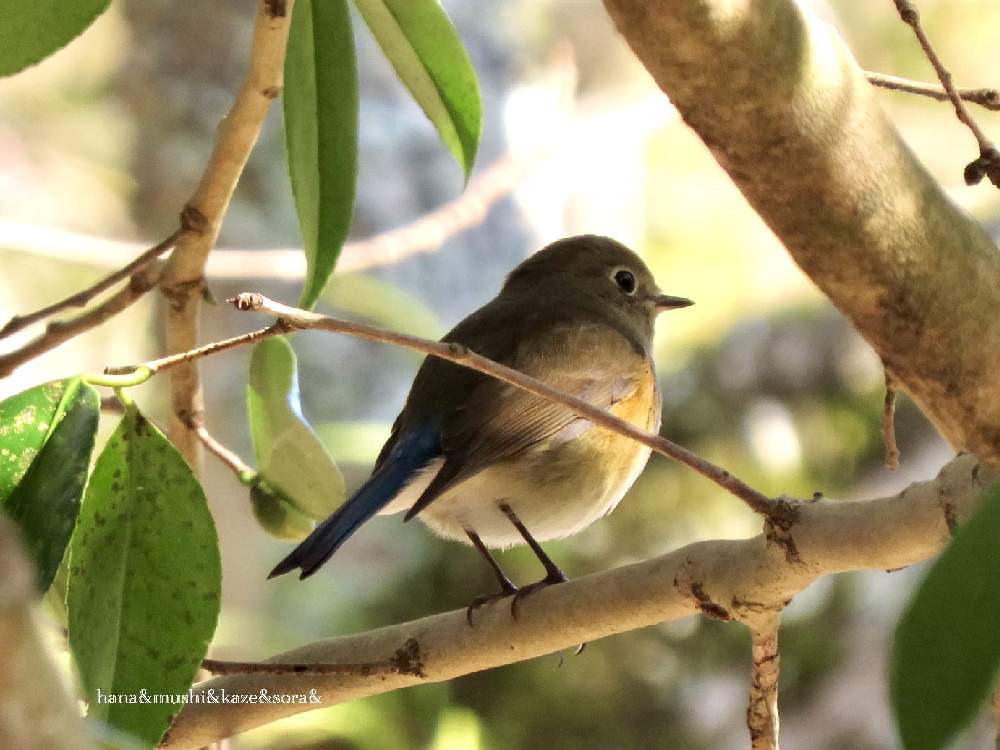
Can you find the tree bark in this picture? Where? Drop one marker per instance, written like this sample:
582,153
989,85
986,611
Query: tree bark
786,111
727,579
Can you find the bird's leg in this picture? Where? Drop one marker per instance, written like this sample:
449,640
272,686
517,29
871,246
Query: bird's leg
506,587
552,572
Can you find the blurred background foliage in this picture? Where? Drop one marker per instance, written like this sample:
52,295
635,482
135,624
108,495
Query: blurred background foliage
108,138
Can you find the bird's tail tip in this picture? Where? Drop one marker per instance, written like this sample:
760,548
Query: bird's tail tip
285,566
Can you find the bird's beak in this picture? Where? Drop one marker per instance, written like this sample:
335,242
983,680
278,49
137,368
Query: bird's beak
667,302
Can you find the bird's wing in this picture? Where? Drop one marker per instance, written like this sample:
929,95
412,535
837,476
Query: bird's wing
495,421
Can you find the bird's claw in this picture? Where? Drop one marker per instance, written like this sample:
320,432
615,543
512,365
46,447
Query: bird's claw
506,590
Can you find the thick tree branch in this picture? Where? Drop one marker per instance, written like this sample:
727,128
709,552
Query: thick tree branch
732,579
795,124
182,282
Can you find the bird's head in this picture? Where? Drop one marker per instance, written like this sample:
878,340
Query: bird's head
593,272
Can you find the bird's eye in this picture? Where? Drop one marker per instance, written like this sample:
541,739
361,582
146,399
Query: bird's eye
626,280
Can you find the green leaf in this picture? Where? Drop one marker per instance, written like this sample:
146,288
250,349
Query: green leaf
144,579
34,30
947,647
421,44
321,132
288,454
26,419
46,501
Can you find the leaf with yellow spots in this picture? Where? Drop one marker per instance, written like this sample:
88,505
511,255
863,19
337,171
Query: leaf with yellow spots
46,438
144,579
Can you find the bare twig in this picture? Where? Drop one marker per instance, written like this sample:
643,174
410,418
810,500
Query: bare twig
889,423
81,298
174,360
988,163
62,330
183,277
236,464
984,97
762,713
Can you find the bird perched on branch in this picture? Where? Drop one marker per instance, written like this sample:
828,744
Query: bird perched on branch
484,462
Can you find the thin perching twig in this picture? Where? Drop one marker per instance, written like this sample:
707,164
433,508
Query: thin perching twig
984,97
988,163
81,298
173,360
889,423
762,713
461,355
294,318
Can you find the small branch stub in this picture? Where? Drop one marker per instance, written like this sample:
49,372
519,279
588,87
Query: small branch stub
889,423
762,713
984,97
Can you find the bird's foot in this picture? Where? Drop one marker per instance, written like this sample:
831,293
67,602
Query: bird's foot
506,589
554,576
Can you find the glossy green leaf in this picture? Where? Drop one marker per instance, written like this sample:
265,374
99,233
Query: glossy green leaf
947,647
419,40
321,132
45,502
25,422
288,454
31,31
144,579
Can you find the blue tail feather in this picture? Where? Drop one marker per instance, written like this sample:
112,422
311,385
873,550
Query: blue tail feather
412,452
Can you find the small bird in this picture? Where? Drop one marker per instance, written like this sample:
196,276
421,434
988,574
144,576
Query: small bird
486,463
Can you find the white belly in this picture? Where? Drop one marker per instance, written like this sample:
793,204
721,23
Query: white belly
555,492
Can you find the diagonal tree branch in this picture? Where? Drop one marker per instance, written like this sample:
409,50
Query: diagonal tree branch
797,127
460,355
730,579
183,278
81,298
59,331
